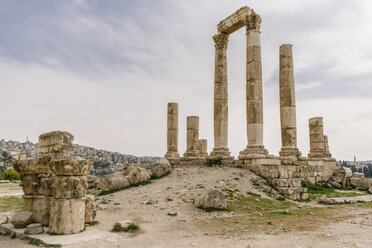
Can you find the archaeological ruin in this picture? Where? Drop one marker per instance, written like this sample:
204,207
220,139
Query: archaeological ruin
284,172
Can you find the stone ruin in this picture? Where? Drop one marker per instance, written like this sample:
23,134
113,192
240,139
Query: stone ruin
284,172
55,185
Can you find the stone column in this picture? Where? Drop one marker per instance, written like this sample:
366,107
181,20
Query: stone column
220,149
68,185
287,102
254,89
192,137
172,133
317,147
326,147
202,147
35,177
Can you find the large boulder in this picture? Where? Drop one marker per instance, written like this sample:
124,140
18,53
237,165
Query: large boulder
21,219
212,200
138,175
113,182
160,168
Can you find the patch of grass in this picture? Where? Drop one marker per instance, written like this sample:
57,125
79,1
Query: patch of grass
131,228
280,198
124,188
209,210
256,182
253,194
162,176
93,223
54,233
9,203
38,242
252,204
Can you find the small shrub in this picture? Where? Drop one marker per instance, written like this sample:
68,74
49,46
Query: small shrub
280,198
172,214
116,228
10,175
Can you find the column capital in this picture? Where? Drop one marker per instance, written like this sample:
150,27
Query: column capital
221,40
253,22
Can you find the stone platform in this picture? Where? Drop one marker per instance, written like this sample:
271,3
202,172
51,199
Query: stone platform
89,234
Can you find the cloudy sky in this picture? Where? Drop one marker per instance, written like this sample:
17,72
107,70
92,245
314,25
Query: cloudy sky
105,70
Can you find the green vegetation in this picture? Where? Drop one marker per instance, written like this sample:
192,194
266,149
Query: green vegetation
252,204
322,188
10,175
93,223
9,203
131,228
209,210
38,242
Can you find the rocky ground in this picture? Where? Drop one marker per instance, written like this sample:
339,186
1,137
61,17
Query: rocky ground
257,216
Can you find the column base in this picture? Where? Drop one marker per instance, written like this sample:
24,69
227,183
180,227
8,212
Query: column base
192,161
39,205
220,152
253,151
191,154
290,153
172,155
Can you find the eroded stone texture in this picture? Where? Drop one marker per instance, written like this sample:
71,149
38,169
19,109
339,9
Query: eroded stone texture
254,89
287,103
172,133
235,21
90,212
68,187
202,147
55,142
212,200
138,175
160,168
62,165
39,205
33,229
113,182
220,96
67,216
317,147
192,136
21,219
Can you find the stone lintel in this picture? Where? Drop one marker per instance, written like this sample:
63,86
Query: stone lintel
235,21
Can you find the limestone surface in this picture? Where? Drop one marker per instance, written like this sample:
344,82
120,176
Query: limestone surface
213,199
36,228
21,219
160,168
68,187
113,182
138,175
55,142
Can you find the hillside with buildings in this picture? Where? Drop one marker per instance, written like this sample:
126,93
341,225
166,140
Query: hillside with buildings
106,162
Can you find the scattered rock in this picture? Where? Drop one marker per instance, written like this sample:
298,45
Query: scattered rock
160,168
212,199
138,175
36,228
21,219
113,182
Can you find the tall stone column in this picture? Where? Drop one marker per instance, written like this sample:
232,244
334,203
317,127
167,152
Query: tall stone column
317,145
192,137
254,89
287,102
202,147
172,133
220,149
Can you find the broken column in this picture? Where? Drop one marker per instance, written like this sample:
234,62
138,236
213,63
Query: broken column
192,137
287,103
254,90
317,147
68,184
220,150
172,134
202,147
35,177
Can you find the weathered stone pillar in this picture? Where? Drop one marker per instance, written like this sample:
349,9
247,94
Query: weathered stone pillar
192,137
287,102
220,149
202,147
172,134
317,147
326,147
254,89
68,185
35,176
